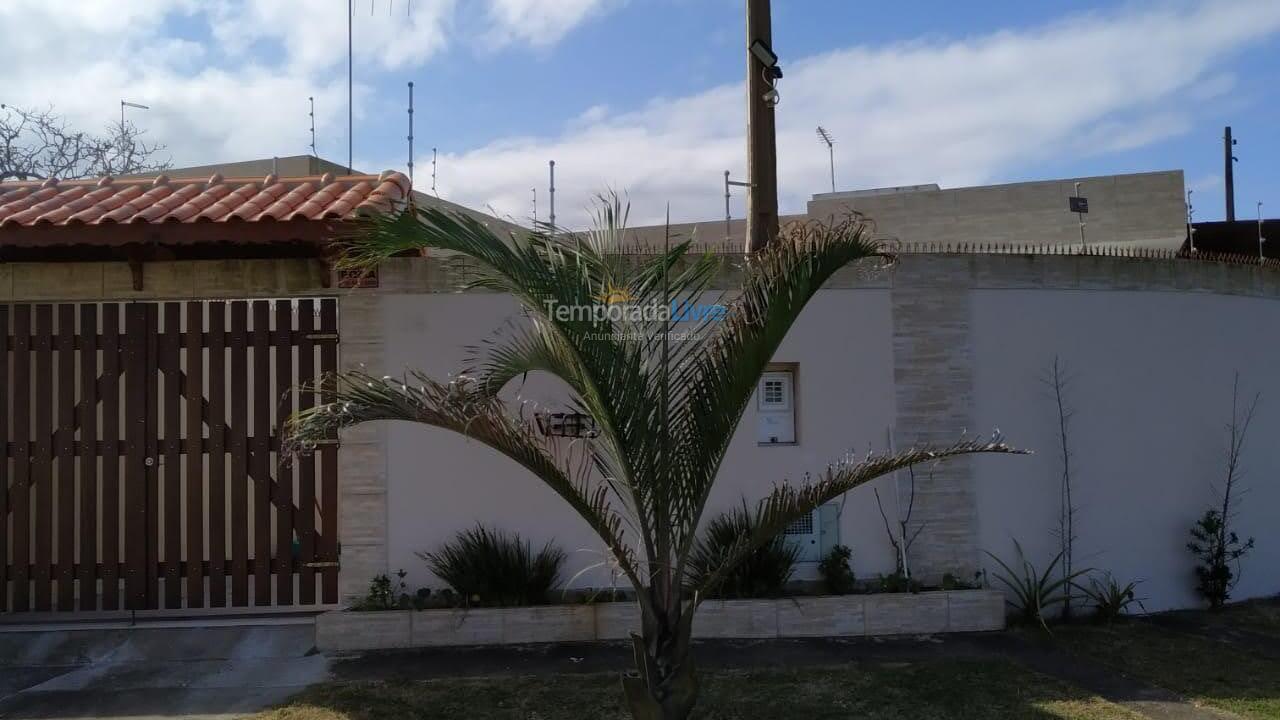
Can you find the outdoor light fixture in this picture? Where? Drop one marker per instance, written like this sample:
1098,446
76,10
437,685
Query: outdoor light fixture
764,54
772,97
767,58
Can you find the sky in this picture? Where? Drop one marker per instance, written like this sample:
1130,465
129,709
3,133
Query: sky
646,97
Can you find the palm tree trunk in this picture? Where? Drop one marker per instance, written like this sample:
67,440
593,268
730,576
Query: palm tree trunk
664,685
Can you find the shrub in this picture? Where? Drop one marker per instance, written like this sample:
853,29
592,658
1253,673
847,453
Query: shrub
1035,592
836,571
1110,598
764,573
898,583
383,594
1217,548
494,568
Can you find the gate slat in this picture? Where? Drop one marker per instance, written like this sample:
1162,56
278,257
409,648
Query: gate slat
194,393
21,503
64,453
88,460
43,465
261,450
110,391
217,458
137,376
284,470
172,432
4,459
239,455
306,518
153,455
329,458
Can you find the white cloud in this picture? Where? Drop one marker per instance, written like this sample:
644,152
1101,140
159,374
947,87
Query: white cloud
959,112
238,94
386,34
540,22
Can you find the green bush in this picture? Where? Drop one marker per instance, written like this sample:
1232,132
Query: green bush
382,593
1110,598
764,573
494,568
837,571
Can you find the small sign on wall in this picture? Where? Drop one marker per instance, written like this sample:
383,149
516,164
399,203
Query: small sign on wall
1078,204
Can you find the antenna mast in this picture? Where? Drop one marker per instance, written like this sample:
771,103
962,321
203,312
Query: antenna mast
312,114
410,133
350,72
553,197
433,172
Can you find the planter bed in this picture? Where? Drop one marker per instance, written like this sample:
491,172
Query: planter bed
793,617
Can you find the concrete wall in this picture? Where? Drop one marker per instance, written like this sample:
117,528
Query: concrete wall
943,344
440,483
1146,209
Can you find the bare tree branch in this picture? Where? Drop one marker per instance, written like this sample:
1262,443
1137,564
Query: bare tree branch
39,144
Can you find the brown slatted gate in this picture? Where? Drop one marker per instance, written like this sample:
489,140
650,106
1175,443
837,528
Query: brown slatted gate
140,468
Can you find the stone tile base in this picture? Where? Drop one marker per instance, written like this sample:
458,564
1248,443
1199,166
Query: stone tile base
831,616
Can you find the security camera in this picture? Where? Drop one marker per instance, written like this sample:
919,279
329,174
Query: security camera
772,97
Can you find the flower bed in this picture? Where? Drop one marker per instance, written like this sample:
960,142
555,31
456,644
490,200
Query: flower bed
794,617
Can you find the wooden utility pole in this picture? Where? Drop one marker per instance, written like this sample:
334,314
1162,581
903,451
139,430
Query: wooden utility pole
762,149
1229,161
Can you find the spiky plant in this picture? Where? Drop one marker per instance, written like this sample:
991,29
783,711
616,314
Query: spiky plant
761,574
492,567
665,404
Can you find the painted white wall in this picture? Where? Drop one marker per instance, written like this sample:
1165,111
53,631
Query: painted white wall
1151,387
439,483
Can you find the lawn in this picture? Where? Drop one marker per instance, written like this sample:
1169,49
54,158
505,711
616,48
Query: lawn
943,689
1206,671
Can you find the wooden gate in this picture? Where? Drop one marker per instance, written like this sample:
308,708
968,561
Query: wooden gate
140,465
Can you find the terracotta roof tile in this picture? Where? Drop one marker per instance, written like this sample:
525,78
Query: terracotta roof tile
216,199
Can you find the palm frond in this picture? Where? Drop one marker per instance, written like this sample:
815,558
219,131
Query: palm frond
360,397
788,503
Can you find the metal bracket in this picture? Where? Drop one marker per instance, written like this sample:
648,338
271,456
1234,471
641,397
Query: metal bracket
321,565
321,336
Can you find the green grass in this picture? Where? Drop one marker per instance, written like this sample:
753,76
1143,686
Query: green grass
1207,672
990,690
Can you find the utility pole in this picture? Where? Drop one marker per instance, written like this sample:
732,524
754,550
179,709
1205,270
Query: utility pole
1229,160
762,149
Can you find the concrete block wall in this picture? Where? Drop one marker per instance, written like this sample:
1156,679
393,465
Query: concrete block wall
1143,208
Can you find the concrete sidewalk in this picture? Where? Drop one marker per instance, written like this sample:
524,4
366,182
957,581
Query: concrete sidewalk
201,669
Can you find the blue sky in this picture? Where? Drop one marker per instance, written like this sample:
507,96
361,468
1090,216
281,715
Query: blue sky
645,96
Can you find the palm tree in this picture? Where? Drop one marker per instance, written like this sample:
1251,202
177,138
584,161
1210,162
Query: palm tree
664,404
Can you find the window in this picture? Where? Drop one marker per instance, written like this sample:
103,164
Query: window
775,406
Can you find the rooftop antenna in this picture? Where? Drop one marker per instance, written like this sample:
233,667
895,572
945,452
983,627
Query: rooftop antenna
124,104
411,133
350,71
553,197
535,208
1261,239
312,100
1191,222
433,173
825,137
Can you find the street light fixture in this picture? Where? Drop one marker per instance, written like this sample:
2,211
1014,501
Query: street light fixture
124,104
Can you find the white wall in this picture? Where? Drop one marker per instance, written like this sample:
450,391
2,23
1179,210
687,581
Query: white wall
439,483
1151,375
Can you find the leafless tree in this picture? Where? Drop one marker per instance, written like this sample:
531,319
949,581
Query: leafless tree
39,144
1058,382
899,536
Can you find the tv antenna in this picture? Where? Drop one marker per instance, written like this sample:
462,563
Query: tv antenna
825,137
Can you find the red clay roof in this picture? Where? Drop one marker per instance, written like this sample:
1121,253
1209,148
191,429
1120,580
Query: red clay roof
216,199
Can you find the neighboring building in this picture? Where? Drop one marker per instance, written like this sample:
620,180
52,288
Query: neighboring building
1141,210
209,299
